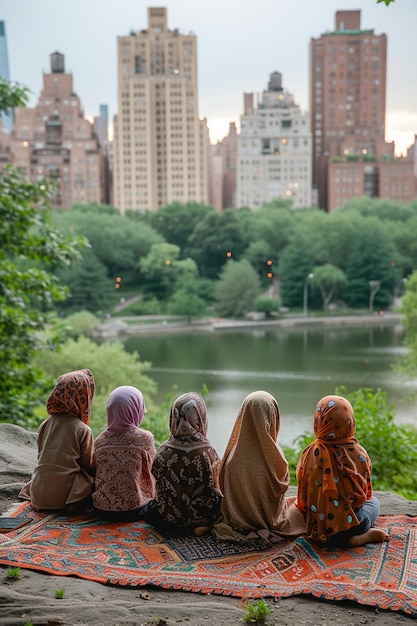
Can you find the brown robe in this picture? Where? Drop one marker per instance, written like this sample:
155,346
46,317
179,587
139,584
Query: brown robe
65,470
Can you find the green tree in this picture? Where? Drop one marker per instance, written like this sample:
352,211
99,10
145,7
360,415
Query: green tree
266,305
117,242
237,289
260,256
29,247
295,265
90,287
373,257
330,281
187,302
111,365
214,239
162,269
177,221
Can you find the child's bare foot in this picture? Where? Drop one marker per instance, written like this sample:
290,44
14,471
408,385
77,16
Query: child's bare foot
199,531
373,535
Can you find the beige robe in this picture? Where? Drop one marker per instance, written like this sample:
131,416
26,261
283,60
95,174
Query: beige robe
254,479
64,473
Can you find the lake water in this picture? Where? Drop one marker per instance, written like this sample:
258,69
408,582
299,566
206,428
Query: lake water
298,366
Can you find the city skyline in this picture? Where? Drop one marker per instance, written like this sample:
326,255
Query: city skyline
238,47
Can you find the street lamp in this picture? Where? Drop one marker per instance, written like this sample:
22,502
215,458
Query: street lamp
305,295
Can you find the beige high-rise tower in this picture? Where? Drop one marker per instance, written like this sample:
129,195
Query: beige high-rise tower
160,151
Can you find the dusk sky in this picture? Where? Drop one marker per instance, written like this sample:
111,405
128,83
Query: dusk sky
239,45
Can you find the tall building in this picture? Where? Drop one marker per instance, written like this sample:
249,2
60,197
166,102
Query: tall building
6,117
160,144
348,69
101,125
274,149
222,171
54,141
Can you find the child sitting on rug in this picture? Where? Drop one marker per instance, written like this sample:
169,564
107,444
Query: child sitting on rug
254,479
334,480
186,473
64,475
124,457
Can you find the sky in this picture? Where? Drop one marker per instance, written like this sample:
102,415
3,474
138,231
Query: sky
240,43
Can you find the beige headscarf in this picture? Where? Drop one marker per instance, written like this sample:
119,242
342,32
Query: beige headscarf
254,478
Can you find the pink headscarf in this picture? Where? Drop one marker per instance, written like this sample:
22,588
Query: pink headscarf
125,409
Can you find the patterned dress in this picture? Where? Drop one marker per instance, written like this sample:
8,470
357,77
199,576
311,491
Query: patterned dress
124,481
124,457
186,471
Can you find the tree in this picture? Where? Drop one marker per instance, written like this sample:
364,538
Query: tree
90,287
117,242
29,246
266,305
177,221
237,289
373,257
111,365
329,279
295,265
215,238
185,301
162,269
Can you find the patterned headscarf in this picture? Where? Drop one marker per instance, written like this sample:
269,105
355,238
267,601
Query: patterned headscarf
188,419
125,409
334,471
73,395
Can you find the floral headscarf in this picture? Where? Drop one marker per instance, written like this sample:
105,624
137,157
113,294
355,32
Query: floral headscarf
334,471
125,409
188,420
73,395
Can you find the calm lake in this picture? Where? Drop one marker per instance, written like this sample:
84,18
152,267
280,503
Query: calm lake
298,366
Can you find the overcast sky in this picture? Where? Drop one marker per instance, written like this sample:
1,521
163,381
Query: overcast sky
239,44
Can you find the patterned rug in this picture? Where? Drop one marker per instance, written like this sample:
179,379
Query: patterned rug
133,554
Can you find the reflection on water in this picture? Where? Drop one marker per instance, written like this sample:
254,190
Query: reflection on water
297,366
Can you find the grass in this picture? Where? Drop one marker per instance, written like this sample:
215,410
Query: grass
256,612
59,594
13,573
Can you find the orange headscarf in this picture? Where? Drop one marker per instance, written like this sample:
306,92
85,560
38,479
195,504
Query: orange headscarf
334,471
73,395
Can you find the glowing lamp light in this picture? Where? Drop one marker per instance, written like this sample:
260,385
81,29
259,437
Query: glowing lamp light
269,262
118,279
228,254
269,275
168,262
25,144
